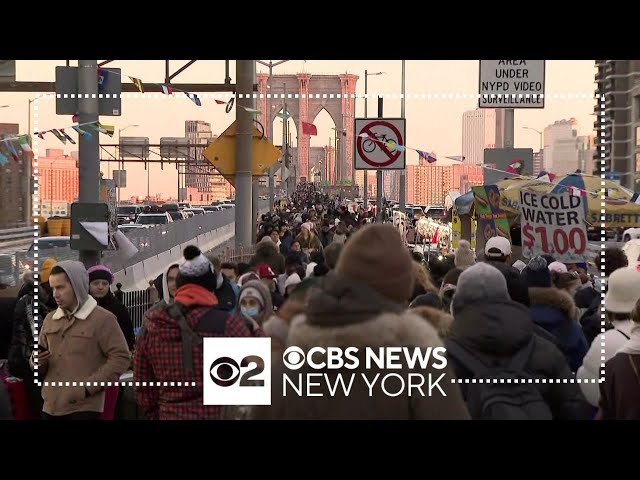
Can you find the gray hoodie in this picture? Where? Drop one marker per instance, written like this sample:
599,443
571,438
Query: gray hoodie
79,278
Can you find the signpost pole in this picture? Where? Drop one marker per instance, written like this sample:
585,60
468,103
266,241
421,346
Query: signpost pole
89,164
244,74
509,141
365,194
379,173
402,187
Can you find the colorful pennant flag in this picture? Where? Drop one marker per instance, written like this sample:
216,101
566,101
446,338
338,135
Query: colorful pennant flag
3,159
429,157
24,144
194,98
58,135
309,129
252,110
577,192
12,150
457,158
515,167
166,89
71,140
80,131
636,198
138,83
108,129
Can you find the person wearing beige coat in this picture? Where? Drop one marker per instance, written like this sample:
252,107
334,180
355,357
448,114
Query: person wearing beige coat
80,343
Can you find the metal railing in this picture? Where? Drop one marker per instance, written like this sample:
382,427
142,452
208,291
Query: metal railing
138,302
10,270
153,241
16,238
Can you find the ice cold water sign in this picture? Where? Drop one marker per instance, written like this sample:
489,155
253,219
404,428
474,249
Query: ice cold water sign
553,225
511,83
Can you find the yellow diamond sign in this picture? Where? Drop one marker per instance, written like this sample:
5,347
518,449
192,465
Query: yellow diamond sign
222,153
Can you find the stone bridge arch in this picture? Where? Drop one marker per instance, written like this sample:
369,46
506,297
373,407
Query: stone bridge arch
307,95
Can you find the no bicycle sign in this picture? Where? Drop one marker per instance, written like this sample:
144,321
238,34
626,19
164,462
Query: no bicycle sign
380,144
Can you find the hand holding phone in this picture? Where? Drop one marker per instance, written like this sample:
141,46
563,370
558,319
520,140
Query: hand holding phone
43,355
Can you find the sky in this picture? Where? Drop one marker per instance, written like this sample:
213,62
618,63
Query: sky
432,125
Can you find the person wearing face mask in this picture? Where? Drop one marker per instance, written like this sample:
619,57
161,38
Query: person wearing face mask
254,302
100,280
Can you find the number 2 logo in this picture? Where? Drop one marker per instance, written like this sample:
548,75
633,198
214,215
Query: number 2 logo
225,371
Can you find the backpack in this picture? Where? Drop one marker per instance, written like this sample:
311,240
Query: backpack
212,322
501,400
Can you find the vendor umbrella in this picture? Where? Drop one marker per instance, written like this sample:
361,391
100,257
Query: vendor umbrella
619,210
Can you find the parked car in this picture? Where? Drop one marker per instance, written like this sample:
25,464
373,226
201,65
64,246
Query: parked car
630,234
57,247
195,211
154,219
128,213
178,215
211,208
130,227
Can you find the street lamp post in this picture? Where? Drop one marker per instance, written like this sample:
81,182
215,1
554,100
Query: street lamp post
366,172
269,126
541,144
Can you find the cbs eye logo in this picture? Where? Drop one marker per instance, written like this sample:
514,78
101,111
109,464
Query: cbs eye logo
293,358
225,371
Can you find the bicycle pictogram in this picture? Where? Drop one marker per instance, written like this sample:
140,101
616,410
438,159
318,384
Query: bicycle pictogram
369,145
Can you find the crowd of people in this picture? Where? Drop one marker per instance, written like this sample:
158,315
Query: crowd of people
324,274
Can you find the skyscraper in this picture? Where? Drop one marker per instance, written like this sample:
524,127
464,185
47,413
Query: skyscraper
478,133
561,147
15,183
618,81
198,132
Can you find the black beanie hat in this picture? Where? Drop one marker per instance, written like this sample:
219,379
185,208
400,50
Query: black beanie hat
537,273
196,269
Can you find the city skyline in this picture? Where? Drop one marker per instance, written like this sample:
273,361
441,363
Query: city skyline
433,125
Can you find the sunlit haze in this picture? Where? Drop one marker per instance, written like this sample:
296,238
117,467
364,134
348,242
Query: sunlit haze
432,125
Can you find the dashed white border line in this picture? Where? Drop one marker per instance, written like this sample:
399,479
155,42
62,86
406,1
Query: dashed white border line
603,233
36,230
227,95
430,96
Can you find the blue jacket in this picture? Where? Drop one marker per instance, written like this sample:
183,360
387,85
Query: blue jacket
555,311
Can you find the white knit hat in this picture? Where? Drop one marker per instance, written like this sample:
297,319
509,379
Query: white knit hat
292,280
310,267
464,256
623,291
632,250
558,267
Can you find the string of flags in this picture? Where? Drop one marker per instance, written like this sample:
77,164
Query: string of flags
169,90
8,149
429,157
8,143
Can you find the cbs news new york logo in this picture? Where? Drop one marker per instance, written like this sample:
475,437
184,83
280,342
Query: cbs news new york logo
237,371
